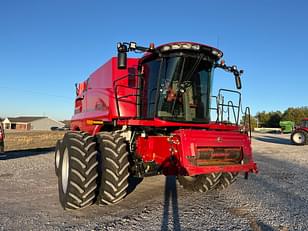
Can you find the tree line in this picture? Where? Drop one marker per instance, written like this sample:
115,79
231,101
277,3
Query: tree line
272,119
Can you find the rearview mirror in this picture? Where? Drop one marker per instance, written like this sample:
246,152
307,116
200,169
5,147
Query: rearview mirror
237,74
122,60
238,82
122,56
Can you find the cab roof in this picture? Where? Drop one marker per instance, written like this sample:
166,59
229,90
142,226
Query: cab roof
194,47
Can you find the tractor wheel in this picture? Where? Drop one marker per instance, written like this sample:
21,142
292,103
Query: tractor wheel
200,183
114,168
58,155
227,179
78,174
299,137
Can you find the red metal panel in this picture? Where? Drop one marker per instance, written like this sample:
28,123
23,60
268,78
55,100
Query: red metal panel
98,100
153,148
173,153
163,123
158,149
126,87
191,139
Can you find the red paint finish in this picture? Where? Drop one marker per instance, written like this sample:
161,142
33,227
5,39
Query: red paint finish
163,123
193,140
96,96
153,148
183,146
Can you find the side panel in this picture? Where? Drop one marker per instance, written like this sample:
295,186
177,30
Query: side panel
125,89
98,100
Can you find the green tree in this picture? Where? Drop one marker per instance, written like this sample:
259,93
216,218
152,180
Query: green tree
274,119
262,118
295,114
269,119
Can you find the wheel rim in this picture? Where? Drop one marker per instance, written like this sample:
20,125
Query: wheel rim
57,158
298,138
65,170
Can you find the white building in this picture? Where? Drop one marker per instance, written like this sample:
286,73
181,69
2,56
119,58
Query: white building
24,123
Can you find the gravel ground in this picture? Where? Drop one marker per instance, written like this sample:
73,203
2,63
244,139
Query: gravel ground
275,199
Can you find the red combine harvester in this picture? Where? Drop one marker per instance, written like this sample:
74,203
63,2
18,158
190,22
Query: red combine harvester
137,117
300,135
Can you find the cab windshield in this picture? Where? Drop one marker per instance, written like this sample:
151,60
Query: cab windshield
177,89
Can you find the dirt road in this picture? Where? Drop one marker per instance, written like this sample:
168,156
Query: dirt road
275,199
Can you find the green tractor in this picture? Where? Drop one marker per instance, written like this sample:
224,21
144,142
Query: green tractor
286,126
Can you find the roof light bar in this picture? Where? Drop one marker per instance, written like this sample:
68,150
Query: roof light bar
189,46
217,53
183,46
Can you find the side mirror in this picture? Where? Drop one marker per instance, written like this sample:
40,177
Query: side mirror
233,69
238,82
122,60
237,74
122,56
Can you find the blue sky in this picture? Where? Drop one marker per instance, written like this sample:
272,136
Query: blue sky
48,46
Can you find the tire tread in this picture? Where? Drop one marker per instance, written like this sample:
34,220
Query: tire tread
114,168
83,172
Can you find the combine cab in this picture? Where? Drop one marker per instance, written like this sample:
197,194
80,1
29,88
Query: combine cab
300,135
153,115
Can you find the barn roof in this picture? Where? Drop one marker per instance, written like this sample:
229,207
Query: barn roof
25,119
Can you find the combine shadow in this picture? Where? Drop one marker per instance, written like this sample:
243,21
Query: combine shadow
171,197
133,182
274,139
25,153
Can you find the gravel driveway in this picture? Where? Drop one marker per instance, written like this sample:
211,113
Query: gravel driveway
275,199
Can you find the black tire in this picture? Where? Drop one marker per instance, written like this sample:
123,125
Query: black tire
114,167
299,137
227,179
200,183
78,173
58,154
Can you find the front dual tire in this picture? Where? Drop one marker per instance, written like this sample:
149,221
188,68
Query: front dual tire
91,169
77,172
114,168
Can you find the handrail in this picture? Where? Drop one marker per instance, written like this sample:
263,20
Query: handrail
126,76
118,98
234,115
247,113
224,108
